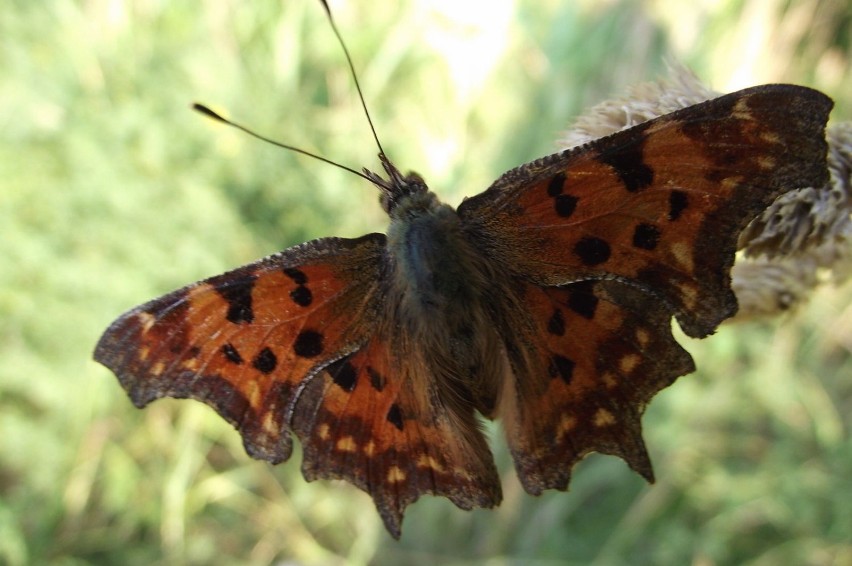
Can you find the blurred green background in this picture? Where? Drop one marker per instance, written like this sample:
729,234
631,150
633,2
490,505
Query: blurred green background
112,192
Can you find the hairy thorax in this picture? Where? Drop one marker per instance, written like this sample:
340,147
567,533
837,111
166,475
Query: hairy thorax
443,287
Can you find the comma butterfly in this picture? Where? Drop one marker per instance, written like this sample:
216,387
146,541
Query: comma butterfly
545,300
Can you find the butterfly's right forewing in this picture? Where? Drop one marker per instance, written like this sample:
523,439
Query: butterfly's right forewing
608,242
660,205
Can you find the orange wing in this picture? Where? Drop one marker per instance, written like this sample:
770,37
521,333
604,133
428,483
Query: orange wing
293,343
659,205
597,352
610,240
374,419
247,341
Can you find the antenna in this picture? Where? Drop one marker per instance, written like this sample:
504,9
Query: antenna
396,178
354,77
210,114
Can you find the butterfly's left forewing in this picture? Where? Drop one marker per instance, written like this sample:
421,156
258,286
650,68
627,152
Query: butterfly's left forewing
246,341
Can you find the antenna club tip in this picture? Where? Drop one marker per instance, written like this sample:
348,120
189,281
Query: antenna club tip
207,112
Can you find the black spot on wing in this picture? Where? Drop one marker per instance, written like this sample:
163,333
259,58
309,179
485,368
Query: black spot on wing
561,367
308,344
231,354
582,300
556,324
394,416
646,236
592,250
564,205
265,361
302,296
556,184
678,201
344,374
626,158
236,290
297,275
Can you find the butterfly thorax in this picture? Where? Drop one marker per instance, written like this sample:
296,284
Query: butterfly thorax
429,252
442,287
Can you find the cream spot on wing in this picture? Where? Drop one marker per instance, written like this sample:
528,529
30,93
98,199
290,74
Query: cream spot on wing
370,448
766,162
395,475
731,183
199,290
157,368
609,380
146,321
426,461
682,254
566,425
347,444
603,418
462,474
690,295
144,351
741,110
269,424
252,393
629,362
322,431
643,337
770,137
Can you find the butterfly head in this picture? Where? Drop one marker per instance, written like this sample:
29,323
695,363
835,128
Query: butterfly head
399,189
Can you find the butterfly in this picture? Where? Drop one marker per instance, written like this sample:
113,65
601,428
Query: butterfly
546,301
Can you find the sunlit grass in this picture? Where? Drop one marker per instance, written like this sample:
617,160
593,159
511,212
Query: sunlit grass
113,192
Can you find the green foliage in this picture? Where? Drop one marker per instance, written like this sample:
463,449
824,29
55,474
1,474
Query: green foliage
113,193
